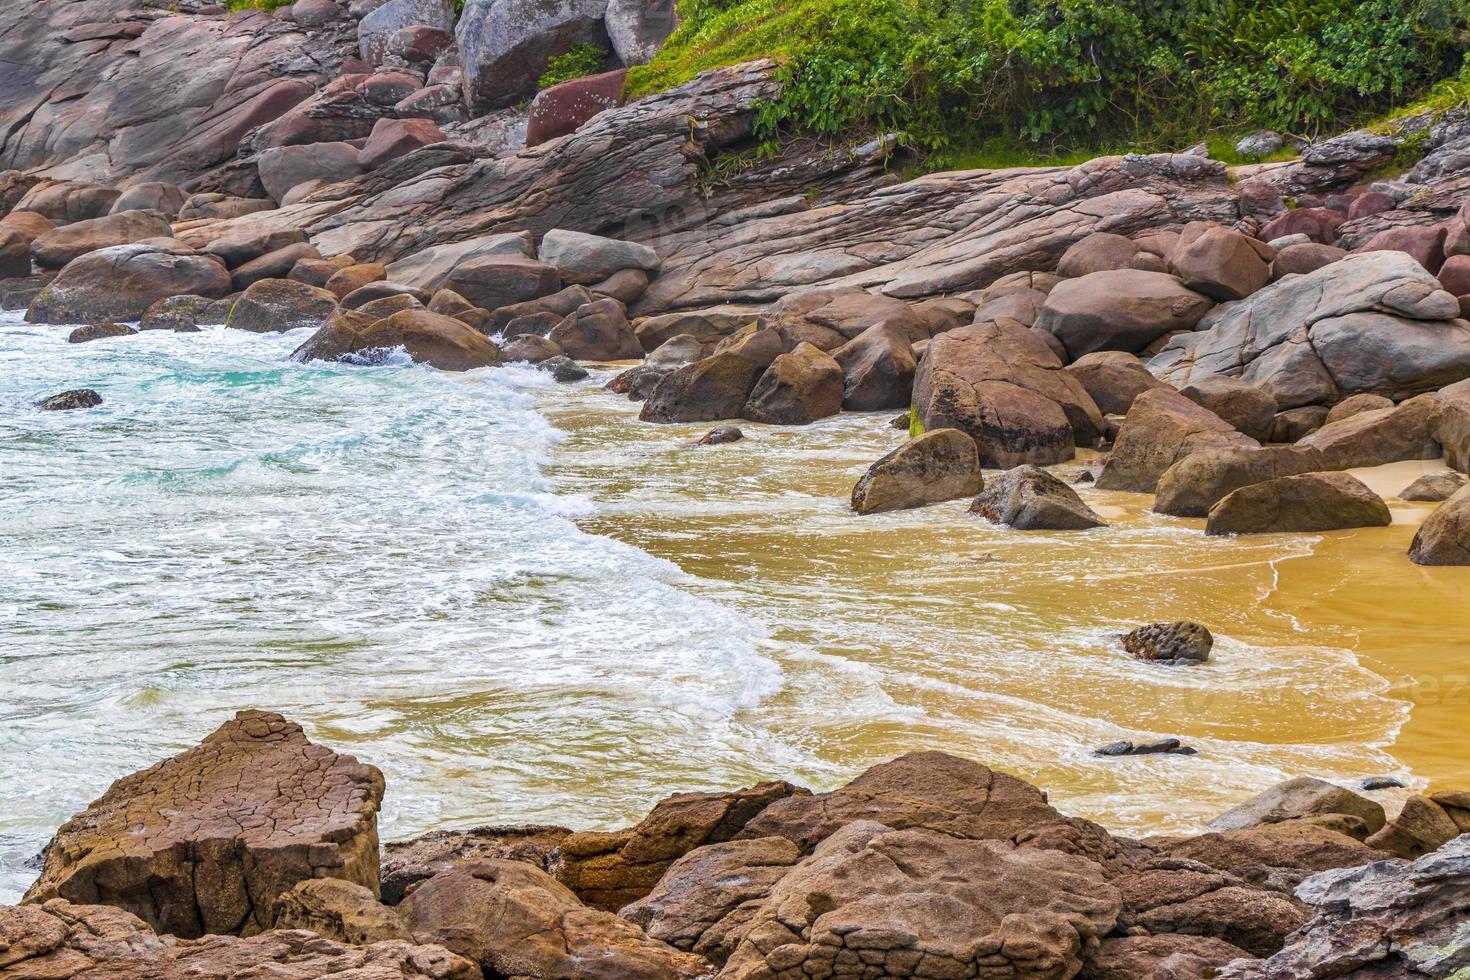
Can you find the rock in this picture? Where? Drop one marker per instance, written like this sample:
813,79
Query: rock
676,352
1164,746
1002,386
798,388
714,387
1305,503
530,349
721,435
1200,480
1162,428
708,326
59,939
177,313
29,224
1181,642
1275,855
1294,423
249,243
598,331
318,272
222,206
427,268
941,464
346,281
120,283
1371,323
272,265
338,910
625,286
393,138
15,254
1171,900
560,109
99,331
1390,918
420,45
1454,275
205,841
504,47
1424,244
613,869
1450,426
1444,539
515,920
428,338
56,248
1031,499
1249,409
1122,310
873,895
315,13
493,281
284,167
878,367
1356,404
1302,798
1376,437
1318,224
66,201
1300,260
1433,487
1370,203
587,259
1098,252
552,309
406,863
375,29
70,400
1221,263
278,305
151,195
364,295
386,306
1135,957
637,28
1113,379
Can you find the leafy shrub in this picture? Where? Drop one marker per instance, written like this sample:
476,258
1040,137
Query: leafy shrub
582,59
1059,74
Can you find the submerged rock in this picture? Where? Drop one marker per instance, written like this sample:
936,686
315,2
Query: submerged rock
428,338
70,400
720,435
1305,503
99,331
1028,498
1170,746
1181,642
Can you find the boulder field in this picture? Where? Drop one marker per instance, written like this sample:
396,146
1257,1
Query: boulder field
257,851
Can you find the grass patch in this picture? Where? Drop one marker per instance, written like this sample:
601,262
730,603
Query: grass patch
266,5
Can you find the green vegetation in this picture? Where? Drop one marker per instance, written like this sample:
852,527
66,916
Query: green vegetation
582,59
971,79
270,5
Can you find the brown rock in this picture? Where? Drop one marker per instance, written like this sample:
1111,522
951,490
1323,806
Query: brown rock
204,842
1113,379
798,388
1298,260
1298,799
346,281
1376,437
941,464
1294,423
1179,642
1422,826
530,349
316,272
1304,503
598,331
120,283
99,331
1356,405
1298,847
500,280
428,338
272,265
878,368
625,286
408,862
1123,310
1143,957
560,109
56,248
1030,499
1249,409
1221,263
1098,252
251,242
1444,539
393,138
278,305
1162,428
338,910
373,291
715,387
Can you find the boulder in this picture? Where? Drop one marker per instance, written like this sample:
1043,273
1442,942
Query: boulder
1162,428
1249,409
588,259
637,28
284,167
318,272
393,138
1444,539
1373,438
708,326
247,243
29,224
223,206
551,309
714,387
420,45
1165,899
386,306
66,201
1157,957
180,314
68,401
1371,323
675,352
120,283
379,289
493,281
151,195
563,107
204,842
1450,426
339,910
1202,479
1318,224
1433,487
563,369
1098,252
1305,503
515,920
347,281
1424,243
799,387
597,331
1031,499
56,248
1002,386
406,863
1113,379
272,265
428,338
1300,260
721,435
277,305
878,367
1302,798
829,316
1454,275
429,267
941,464
59,939
530,349
919,903
1275,854
1122,310
387,19
625,286
99,331
1220,262
1294,423
1180,642
505,45
1354,404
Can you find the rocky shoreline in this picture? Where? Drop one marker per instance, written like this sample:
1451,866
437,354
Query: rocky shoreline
257,850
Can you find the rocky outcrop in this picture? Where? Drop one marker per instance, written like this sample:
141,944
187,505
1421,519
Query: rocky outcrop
1304,503
406,863
204,842
1028,498
1162,428
338,910
940,465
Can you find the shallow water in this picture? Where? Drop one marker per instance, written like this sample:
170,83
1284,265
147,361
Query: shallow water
524,606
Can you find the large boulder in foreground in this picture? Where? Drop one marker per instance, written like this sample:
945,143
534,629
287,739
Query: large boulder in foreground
204,842
1375,322
428,338
1305,503
120,283
1126,310
942,464
919,903
998,382
1160,429
515,920
1444,539
1028,498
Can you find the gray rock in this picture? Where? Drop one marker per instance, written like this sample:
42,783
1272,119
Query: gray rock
1120,310
1261,143
638,28
429,267
1433,487
70,400
504,45
284,167
1305,503
589,259
1298,799
374,30
1028,498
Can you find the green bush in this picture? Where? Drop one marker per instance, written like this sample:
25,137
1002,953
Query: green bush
259,4
582,59
1058,75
